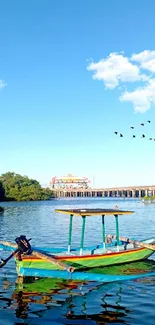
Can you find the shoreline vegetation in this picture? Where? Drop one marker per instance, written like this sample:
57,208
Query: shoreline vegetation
14,187
149,199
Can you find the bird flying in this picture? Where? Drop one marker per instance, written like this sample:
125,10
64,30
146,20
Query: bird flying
134,135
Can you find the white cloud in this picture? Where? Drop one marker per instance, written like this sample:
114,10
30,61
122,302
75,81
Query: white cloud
146,59
117,69
114,69
2,84
142,98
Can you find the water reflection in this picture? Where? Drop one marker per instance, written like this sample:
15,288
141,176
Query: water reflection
46,301
70,300
44,293
110,312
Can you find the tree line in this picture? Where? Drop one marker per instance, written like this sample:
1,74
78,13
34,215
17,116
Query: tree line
14,187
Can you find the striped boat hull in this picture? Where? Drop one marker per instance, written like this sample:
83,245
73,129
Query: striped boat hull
85,261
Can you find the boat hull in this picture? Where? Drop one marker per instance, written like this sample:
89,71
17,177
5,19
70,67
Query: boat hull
30,263
129,271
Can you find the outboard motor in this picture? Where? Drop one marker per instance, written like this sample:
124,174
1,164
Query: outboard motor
24,246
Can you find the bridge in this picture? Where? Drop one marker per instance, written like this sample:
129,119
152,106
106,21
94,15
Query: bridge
128,192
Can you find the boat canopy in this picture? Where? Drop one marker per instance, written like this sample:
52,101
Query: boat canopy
92,212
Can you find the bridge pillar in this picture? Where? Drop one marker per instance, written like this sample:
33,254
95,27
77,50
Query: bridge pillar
146,192
140,194
133,193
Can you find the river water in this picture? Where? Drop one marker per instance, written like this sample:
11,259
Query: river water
51,301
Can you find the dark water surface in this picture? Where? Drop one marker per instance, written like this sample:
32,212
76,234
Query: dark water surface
51,301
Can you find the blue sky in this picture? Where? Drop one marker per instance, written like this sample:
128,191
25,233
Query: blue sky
72,73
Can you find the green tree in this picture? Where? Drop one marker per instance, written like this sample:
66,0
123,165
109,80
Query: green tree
21,188
2,192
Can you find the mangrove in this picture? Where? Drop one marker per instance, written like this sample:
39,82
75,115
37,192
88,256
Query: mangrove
14,187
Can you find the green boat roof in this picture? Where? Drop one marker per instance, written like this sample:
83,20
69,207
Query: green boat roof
93,212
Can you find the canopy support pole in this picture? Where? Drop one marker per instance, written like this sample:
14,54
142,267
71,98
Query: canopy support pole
82,234
117,231
70,233
103,232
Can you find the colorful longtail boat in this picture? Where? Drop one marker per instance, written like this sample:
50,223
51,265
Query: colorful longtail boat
50,262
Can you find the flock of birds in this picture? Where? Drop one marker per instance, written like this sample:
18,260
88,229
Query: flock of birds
134,136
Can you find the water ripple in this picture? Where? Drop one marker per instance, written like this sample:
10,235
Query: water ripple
46,301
